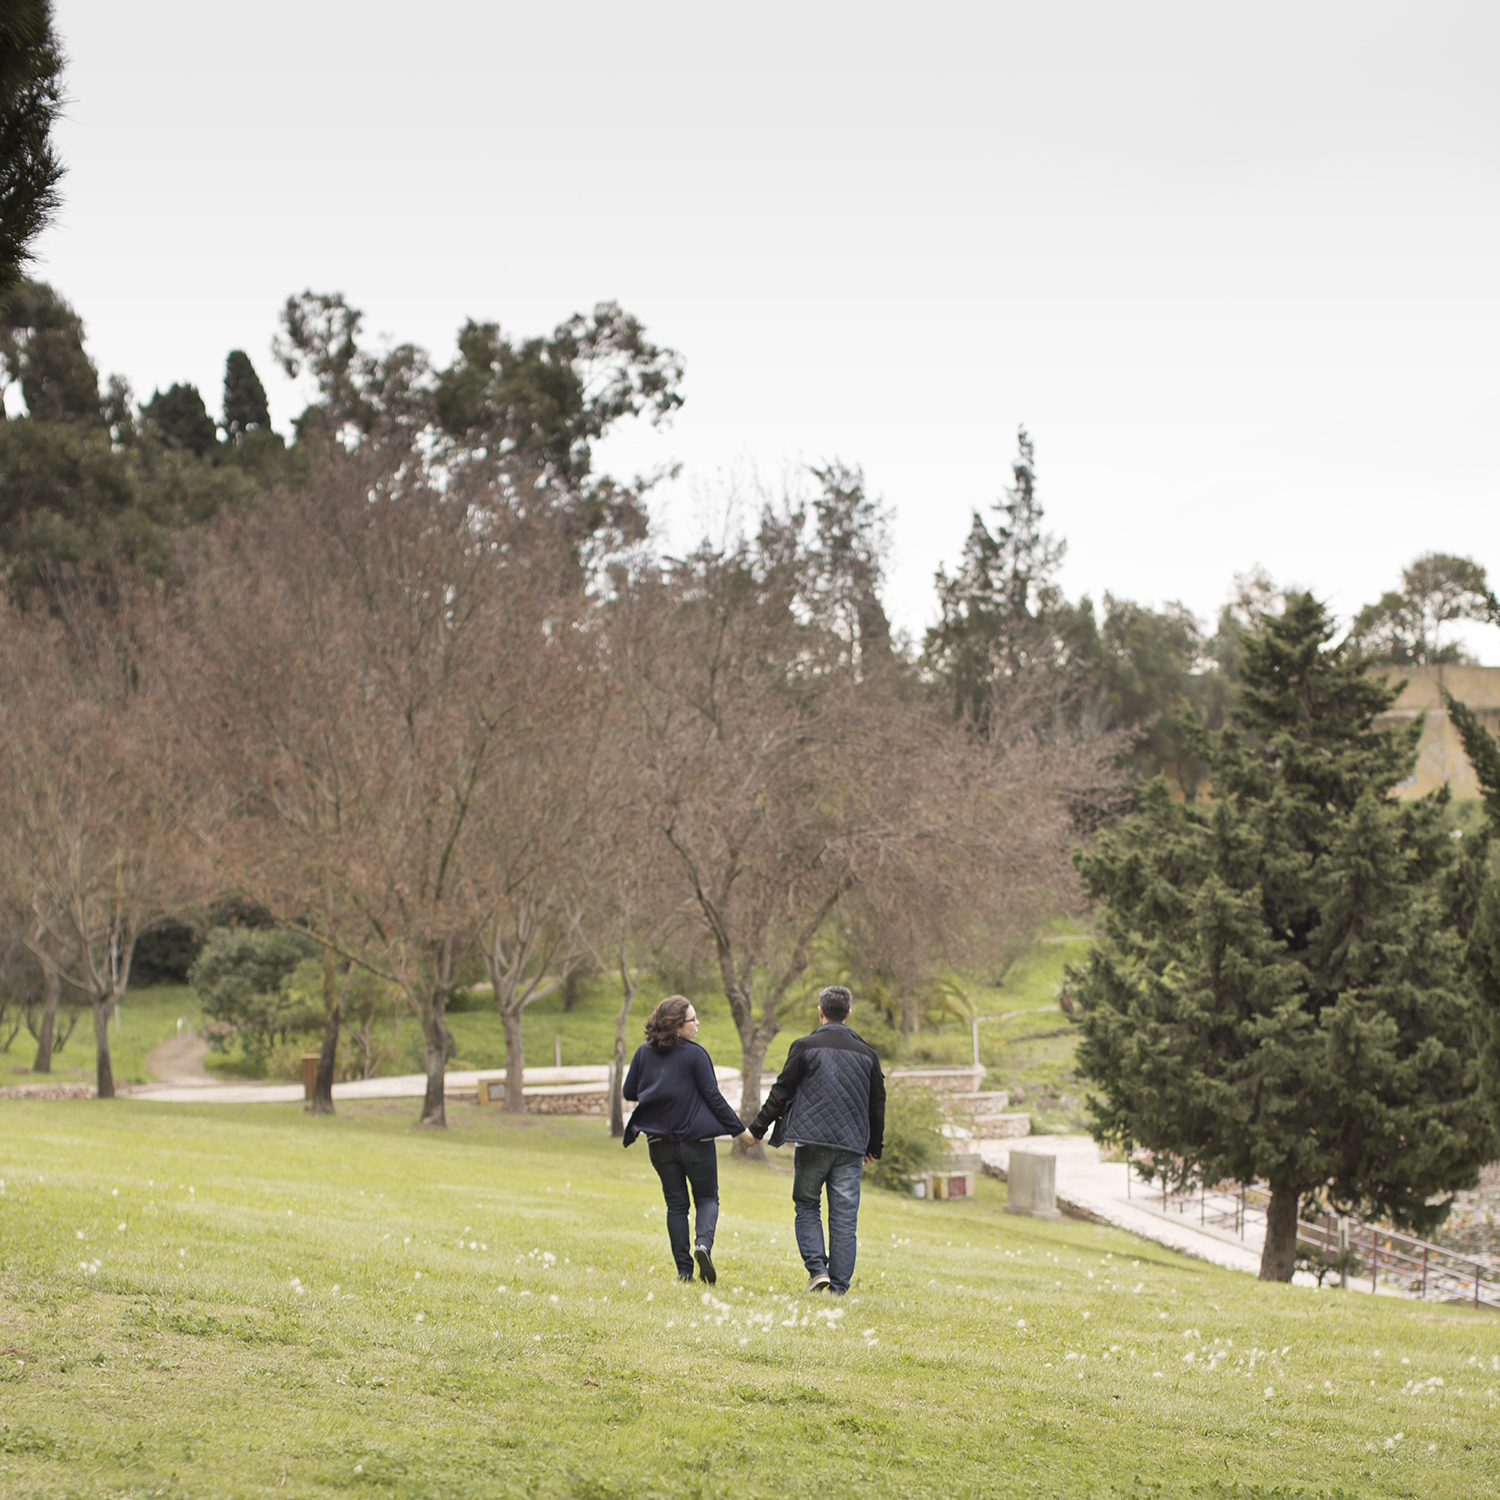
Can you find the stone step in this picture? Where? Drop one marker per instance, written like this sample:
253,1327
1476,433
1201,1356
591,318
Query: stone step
996,1102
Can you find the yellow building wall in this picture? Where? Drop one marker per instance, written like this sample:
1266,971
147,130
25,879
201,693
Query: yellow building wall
1440,756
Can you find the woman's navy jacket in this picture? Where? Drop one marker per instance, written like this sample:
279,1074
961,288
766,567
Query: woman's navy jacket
678,1095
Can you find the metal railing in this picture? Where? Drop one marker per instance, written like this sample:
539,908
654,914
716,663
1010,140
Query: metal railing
1400,1262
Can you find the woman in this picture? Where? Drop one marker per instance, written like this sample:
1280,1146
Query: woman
679,1109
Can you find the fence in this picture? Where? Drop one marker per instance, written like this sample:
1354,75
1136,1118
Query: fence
1410,1265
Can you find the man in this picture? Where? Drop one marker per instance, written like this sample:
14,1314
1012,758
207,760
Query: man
830,1101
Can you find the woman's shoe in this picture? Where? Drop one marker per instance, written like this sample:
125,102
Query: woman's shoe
705,1264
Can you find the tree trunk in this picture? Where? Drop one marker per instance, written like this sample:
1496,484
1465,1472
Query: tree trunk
1279,1258
515,1063
322,1099
617,1066
104,1073
908,1013
752,1061
51,992
435,1037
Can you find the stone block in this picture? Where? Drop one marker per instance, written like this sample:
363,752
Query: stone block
1033,1185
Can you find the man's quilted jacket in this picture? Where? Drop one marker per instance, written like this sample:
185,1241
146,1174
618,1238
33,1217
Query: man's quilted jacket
830,1093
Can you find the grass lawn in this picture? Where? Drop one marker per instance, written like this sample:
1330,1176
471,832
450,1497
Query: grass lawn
147,1018
239,1301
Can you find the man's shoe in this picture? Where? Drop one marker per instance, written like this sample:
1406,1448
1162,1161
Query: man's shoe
705,1264
818,1283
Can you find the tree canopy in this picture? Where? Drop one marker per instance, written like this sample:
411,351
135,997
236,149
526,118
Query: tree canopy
1405,627
1278,992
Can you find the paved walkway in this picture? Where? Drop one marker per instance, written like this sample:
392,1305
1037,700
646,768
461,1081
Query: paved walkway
402,1086
180,1062
1105,1192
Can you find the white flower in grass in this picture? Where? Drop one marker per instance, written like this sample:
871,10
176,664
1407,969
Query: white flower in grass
420,1318
1270,1391
554,1299
79,1233
120,1227
1020,1322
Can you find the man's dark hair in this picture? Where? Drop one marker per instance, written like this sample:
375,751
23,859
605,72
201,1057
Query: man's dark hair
834,1002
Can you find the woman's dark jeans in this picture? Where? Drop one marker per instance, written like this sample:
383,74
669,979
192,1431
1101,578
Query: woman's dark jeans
680,1165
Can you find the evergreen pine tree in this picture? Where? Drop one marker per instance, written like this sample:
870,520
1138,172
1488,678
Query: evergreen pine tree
1277,993
30,100
41,346
180,419
244,397
1477,903
999,608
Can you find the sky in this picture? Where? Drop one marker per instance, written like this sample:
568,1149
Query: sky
1233,268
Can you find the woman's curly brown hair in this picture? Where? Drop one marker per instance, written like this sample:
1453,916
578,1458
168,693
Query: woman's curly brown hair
662,1023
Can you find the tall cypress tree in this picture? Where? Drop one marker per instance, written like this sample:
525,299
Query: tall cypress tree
1277,993
244,397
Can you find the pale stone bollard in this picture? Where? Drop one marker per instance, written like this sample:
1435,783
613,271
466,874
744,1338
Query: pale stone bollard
1032,1178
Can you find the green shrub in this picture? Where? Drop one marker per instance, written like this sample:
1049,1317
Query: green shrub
914,1139
243,977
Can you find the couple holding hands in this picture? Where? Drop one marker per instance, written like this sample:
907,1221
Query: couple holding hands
829,1100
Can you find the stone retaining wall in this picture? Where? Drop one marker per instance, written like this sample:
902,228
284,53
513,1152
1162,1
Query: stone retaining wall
48,1091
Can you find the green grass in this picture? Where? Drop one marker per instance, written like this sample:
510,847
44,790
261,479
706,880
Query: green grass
319,1307
147,1018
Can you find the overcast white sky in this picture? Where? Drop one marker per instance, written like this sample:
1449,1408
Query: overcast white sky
1237,272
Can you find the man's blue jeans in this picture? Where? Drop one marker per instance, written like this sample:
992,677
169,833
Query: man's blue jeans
818,1166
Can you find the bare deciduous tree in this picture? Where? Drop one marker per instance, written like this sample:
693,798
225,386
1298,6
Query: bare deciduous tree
359,657
94,785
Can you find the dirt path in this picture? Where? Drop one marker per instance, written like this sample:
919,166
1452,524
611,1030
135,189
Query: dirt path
167,1064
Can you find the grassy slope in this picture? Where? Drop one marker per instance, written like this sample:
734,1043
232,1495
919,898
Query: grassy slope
147,1018
434,1350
